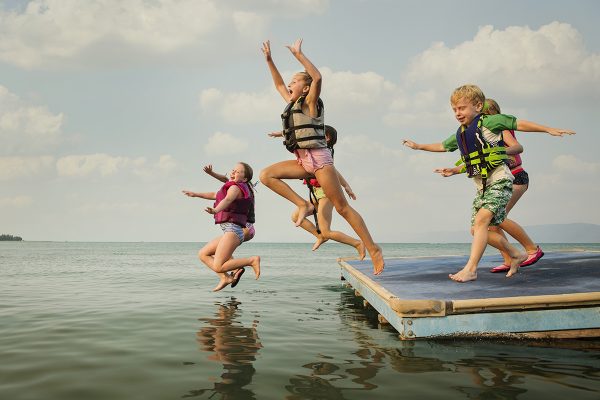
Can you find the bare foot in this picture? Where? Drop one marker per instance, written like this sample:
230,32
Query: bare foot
377,260
319,242
223,282
464,275
304,212
515,263
360,247
255,264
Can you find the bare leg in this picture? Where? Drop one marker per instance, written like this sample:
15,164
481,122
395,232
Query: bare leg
207,253
310,228
324,216
327,177
516,258
272,178
480,238
224,263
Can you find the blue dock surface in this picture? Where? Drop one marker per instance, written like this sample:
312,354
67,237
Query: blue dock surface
559,296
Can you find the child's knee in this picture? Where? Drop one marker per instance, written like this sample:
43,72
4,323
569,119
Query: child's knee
265,175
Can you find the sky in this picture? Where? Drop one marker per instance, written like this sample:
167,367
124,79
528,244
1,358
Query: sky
110,108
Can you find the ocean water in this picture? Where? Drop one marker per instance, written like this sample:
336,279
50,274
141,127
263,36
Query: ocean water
139,321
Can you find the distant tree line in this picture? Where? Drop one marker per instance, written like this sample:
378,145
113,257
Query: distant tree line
5,237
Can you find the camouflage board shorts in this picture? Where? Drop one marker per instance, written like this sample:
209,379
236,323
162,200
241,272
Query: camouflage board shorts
494,199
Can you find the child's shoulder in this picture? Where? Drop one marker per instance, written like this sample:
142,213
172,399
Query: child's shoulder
499,122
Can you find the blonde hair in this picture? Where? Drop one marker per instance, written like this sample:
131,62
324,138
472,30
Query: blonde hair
305,76
470,92
491,107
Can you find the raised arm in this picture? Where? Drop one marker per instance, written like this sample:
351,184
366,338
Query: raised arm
434,147
208,169
512,145
315,86
277,79
528,126
232,193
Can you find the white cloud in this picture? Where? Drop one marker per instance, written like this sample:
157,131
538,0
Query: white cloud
518,60
223,143
12,168
16,202
242,107
106,165
73,32
24,128
571,164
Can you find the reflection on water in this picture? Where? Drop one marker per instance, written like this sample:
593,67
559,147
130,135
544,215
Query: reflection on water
484,369
232,345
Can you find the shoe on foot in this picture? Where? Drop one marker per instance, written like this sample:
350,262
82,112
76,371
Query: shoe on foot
237,276
500,268
533,258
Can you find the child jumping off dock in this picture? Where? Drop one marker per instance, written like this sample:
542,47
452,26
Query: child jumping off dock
479,139
303,129
232,204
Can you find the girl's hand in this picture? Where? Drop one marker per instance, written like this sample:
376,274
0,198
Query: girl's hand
266,49
208,169
296,48
210,210
276,134
188,193
351,194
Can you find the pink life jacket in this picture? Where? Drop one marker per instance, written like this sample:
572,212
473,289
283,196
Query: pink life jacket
514,161
237,211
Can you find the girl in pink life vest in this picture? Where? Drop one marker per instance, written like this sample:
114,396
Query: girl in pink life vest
232,204
304,136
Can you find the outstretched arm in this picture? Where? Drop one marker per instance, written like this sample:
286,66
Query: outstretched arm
232,193
512,144
449,171
346,185
206,195
277,79
208,169
315,86
528,126
435,147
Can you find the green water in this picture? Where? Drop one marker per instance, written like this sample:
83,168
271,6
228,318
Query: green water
138,321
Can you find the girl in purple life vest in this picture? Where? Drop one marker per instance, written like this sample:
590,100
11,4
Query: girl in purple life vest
232,204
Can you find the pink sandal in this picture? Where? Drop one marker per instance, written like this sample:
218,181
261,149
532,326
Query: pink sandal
533,258
500,268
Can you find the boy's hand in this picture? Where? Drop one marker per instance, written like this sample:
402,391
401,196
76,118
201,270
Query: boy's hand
266,49
411,144
296,48
447,171
276,134
560,132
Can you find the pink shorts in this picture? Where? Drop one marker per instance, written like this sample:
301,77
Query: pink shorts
313,159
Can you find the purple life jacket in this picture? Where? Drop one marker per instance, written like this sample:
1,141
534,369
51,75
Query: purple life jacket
237,212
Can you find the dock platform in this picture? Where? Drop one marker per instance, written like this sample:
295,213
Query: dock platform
558,297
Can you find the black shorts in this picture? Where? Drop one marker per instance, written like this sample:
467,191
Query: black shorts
521,178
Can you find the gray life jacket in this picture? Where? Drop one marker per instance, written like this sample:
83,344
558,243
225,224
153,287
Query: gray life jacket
302,131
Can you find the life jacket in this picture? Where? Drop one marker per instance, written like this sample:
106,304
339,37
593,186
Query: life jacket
237,212
514,161
300,130
477,154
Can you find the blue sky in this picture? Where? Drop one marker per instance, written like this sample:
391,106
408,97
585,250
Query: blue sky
108,109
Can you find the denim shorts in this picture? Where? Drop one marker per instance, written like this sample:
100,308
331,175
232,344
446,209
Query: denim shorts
231,227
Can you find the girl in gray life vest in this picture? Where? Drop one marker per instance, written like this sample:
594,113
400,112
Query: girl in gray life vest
232,204
303,132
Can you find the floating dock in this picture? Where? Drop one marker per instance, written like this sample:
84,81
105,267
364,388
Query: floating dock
558,297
